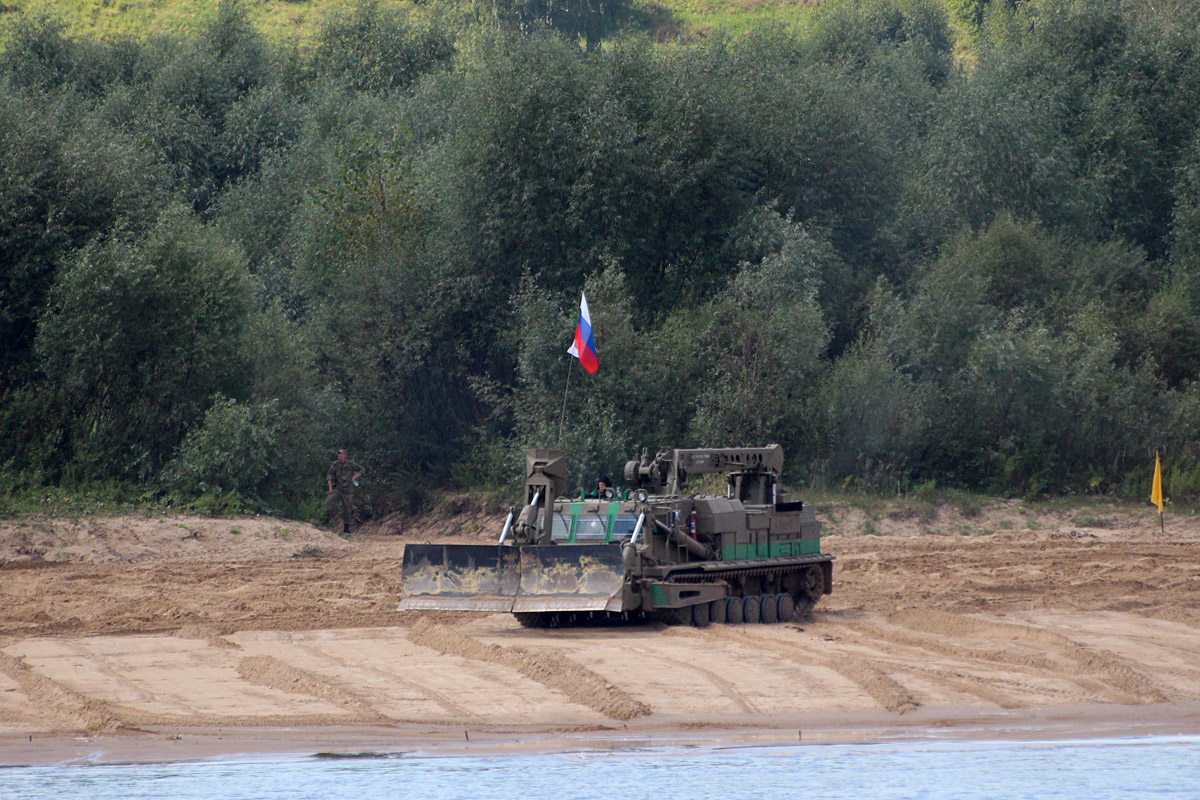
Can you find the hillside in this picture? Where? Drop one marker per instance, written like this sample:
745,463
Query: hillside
281,21
225,257
298,21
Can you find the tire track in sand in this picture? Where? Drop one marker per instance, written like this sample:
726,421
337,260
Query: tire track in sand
871,637
1024,664
725,687
1173,614
275,674
884,690
80,712
1190,677
58,701
1114,671
578,683
104,665
452,708
966,684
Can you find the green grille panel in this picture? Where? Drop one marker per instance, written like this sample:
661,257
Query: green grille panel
796,547
575,509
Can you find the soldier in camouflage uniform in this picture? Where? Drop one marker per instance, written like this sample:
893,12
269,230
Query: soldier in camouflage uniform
342,478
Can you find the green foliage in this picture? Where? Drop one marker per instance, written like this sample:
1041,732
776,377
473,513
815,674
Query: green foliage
285,24
589,20
20,497
995,146
858,32
1185,253
65,177
913,258
140,335
235,449
374,49
872,417
599,416
969,13
762,348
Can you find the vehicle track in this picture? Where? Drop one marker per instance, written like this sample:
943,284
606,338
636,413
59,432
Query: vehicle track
1115,670
869,637
58,701
275,674
726,688
433,696
1031,663
105,666
579,684
884,690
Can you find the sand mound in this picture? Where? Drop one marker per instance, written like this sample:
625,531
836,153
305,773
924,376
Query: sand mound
142,540
578,683
273,673
54,700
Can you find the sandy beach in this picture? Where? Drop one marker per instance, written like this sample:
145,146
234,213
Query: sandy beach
150,638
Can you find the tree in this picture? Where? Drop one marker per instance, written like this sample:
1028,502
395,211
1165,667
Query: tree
140,334
65,177
762,350
589,20
371,49
873,418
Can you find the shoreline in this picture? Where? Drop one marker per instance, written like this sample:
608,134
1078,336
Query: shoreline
928,724
165,640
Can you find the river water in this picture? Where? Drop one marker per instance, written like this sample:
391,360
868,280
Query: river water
1099,769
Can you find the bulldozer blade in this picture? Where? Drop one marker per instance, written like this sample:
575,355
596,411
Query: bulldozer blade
459,577
570,578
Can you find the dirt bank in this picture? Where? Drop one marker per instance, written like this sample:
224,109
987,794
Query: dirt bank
137,629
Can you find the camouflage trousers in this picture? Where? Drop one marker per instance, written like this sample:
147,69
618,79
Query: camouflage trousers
346,501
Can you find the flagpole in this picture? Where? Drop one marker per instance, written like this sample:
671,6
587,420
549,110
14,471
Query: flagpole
1156,492
562,418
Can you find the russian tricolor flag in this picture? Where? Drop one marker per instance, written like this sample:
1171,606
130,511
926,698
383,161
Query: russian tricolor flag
584,346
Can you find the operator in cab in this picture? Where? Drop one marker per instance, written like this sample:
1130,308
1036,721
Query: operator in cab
604,490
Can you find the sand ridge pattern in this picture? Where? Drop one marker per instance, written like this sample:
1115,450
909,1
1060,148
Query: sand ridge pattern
271,672
885,690
57,701
578,683
1115,670
149,623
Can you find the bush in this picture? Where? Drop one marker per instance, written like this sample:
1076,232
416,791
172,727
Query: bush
233,451
140,334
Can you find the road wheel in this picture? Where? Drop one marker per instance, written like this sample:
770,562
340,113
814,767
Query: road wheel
716,612
751,610
768,609
787,606
814,583
733,610
814,586
700,615
685,615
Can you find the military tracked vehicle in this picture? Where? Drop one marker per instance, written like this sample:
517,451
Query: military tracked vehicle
648,552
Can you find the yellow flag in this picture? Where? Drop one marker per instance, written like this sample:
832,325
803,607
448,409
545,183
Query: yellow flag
1156,489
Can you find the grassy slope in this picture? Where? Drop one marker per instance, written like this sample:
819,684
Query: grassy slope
297,20
698,17
279,20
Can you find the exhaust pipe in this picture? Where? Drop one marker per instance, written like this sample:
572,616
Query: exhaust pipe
693,546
